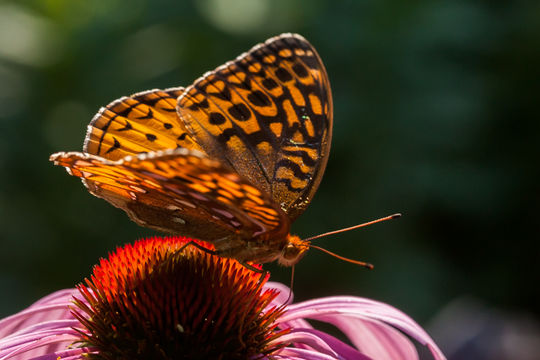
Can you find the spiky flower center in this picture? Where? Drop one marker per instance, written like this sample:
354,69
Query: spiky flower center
163,298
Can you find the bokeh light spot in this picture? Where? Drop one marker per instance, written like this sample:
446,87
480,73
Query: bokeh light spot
149,53
26,38
235,16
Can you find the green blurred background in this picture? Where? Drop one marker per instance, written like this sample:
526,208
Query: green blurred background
436,116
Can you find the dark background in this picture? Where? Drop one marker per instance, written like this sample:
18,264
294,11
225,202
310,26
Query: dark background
436,116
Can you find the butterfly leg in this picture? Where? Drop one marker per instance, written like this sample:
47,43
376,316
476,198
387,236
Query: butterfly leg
252,268
198,246
264,274
213,252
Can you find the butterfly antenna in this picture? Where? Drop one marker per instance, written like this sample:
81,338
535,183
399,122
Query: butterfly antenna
361,263
389,217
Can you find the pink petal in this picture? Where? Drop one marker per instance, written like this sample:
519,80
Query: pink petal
341,310
44,329
285,295
322,342
308,340
70,354
290,353
51,307
375,339
43,346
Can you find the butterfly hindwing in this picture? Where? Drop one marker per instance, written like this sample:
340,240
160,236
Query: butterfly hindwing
178,191
267,115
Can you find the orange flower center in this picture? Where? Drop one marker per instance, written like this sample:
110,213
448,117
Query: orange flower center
163,298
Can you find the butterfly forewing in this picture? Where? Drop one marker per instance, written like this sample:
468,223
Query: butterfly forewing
267,115
140,123
180,191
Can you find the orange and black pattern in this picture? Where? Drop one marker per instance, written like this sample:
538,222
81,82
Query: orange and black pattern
268,115
143,122
181,190
232,159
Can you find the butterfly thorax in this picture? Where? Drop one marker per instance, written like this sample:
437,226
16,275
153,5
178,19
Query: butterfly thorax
287,249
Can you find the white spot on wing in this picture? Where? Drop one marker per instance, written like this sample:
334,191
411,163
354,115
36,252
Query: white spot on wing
198,196
138,189
227,214
186,203
178,220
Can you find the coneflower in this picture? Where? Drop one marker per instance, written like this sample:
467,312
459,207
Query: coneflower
164,298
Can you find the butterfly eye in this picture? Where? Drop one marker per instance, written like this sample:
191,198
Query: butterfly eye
293,251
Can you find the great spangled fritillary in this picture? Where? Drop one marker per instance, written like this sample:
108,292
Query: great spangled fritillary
232,159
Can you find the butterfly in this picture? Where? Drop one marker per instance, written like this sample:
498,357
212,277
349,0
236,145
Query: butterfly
232,159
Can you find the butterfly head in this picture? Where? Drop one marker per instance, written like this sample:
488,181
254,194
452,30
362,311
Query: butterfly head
293,251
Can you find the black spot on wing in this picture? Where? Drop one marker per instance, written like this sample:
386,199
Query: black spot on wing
270,83
283,75
216,118
126,127
149,115
116,145
300,70
240,112
258,98
199,105
125,112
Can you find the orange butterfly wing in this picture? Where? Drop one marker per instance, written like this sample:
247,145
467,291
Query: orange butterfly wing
267,115
248,144
146,121
181,191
